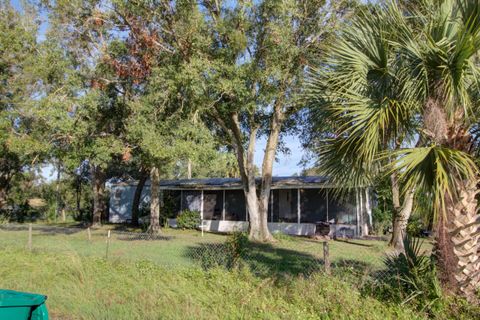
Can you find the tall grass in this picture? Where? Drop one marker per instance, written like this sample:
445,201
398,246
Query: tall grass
91,288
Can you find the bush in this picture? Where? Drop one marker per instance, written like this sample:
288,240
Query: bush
382,221
412,278
237,244
188,219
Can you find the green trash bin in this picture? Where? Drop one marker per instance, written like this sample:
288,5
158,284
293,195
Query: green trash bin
22,306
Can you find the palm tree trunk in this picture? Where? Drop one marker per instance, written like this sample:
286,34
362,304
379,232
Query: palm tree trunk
137,196
457,242
154,201
400,222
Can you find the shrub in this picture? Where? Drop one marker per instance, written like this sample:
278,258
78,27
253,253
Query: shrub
382,221
412,278
188,219
237,244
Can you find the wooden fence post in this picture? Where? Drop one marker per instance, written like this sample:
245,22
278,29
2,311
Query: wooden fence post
29,244
89,234
326,257
108,244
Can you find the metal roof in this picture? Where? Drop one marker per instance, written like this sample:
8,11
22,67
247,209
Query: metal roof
291,182
236,183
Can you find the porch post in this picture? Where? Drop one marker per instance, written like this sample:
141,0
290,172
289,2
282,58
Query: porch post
271,205
223,206
181,200
357,212
201,207
298,206
327,205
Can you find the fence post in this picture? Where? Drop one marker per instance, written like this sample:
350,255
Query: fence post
108,244
29,244
326,257
89,234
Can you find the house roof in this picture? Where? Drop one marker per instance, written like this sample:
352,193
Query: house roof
292,182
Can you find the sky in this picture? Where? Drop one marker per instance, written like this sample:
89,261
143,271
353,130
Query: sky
287,164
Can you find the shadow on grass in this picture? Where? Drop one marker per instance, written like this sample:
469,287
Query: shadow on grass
263,260
135,236
266,260
354,243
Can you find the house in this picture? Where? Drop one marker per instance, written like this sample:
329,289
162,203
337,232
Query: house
298,205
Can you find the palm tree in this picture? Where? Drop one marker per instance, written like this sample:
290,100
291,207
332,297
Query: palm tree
410,71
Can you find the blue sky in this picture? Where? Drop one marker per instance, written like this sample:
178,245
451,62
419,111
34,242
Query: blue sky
287,164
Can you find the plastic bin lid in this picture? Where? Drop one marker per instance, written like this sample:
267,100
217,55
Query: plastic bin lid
10,298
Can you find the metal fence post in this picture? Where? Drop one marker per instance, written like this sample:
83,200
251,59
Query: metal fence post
326,257
29,244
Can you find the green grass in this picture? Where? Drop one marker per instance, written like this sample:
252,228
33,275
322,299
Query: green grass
183,246
93,288
168,279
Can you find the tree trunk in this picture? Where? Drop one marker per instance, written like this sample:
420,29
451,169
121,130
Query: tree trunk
396,211
5,179
368,209
98,185
138,195
3,198
457,244
60,210
154,201
267,168
78,196
258,228
457,229
400,222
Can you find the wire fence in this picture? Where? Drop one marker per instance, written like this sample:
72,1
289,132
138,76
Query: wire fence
289,256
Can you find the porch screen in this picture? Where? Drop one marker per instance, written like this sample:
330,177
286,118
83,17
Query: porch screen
313,204
171,203
235,208
343,211
212,205
191,200
285,206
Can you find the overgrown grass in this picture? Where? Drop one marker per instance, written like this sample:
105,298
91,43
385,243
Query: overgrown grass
93,288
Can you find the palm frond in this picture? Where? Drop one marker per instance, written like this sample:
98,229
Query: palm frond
434,169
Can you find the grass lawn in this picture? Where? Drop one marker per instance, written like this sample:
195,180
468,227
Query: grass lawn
185,247
164,279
